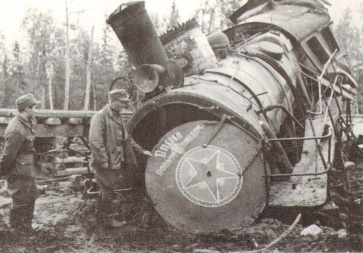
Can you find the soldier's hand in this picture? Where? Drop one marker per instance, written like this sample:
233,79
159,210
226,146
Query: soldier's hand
147,153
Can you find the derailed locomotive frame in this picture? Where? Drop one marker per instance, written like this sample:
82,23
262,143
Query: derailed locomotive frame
208,130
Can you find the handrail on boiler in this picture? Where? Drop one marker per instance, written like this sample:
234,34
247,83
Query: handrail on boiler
327,168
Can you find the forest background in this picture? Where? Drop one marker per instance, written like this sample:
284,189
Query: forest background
67,68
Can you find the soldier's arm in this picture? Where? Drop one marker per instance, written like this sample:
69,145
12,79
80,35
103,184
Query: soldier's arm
136,147
139,149
96,140
13,143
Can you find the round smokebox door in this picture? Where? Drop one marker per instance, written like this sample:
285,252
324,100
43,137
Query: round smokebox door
206,188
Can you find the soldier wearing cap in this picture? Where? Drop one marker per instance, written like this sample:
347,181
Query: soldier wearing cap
17,162
111,152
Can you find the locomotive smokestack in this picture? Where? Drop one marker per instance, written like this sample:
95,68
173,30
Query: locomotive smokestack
137,34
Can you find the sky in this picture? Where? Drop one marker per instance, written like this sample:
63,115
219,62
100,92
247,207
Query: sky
96,11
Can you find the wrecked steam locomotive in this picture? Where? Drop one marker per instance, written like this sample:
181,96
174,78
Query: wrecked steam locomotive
250,117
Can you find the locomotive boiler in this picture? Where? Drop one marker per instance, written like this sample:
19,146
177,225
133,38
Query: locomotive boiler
241,119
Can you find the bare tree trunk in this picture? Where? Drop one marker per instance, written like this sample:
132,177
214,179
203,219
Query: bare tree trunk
89,72
50,93
4,65
68,70
50,71
94,97
43,98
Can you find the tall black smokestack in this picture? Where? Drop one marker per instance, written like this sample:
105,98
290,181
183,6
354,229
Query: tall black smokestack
137,34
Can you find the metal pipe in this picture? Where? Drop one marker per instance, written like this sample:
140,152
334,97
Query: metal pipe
272,107
301,174
302,138
137,34
318,147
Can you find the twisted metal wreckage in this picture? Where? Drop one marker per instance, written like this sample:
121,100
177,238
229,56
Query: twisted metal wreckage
257,115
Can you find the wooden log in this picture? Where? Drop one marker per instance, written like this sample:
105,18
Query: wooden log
52,121
69,159
74,121
50,113
65,130
73,171
4,202
61,114
5,120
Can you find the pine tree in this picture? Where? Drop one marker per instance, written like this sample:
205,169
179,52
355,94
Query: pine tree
44,48
174,16
350,38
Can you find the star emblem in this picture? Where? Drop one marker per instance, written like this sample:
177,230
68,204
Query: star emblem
209,173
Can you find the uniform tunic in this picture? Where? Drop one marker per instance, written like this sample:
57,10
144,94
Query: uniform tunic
18,158
111,151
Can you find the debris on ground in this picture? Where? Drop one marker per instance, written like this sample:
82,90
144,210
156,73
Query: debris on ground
65,221
4,202
312,230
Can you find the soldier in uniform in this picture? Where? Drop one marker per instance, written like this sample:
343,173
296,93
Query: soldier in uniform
18,162
112,149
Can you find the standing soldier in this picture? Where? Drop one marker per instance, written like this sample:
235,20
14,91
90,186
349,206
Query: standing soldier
17,162
111,151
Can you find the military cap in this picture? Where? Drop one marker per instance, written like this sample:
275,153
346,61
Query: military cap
118,94
25,101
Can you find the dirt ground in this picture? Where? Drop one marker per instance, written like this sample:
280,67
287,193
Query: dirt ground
66,222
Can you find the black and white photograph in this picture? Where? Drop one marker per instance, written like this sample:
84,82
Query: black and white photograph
201,126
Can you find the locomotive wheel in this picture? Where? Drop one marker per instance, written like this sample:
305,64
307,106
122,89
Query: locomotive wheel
202,189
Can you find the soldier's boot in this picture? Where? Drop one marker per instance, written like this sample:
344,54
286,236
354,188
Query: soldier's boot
17,221
16,217
104,209
101,210
28,216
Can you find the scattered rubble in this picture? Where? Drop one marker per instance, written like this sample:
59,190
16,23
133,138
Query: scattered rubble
66,222
312,230
342,233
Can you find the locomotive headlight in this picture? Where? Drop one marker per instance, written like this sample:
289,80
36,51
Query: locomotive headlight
146,77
